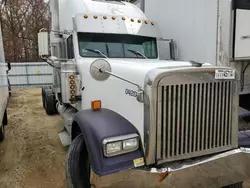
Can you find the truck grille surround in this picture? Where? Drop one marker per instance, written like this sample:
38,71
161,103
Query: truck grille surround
194,118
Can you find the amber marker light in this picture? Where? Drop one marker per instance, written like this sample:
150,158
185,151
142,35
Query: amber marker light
72,82
85,16
72,87
132,20
123,18
104,17
96,105
71,77
113,17
146,22
95,17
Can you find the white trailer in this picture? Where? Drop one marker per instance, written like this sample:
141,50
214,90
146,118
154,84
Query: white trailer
214,31
132,119
4,89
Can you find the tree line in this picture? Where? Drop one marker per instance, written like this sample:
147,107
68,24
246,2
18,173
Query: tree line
21,20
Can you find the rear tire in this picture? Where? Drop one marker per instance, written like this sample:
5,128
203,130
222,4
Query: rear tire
77,167
237,185
49,102
2,132
43,94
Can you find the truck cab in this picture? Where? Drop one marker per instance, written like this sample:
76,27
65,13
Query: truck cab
126,111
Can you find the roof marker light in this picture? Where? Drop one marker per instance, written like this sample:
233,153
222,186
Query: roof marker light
113,17
153,23
123,18
104,17
86,16
139,21
95,17
146,22
132,20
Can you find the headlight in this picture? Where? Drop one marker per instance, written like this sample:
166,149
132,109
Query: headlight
120,145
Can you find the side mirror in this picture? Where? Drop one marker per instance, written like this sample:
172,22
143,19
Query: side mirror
43,43
167,49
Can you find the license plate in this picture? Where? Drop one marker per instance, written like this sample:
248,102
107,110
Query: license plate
224,74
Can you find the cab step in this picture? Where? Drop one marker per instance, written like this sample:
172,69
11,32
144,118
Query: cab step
64,137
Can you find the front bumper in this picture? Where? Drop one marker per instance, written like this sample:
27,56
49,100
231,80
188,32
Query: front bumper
214,171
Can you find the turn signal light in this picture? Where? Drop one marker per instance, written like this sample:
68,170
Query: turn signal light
96,105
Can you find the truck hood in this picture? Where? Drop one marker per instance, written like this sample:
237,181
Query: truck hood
134,70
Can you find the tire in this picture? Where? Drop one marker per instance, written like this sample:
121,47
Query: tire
9,87
237,185
2,132
43,94
77,167
49,102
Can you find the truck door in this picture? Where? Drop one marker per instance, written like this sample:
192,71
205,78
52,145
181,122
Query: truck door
242,30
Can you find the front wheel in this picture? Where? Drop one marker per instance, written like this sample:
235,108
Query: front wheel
77,167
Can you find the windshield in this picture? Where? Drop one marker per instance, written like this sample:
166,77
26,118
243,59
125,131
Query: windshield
117,45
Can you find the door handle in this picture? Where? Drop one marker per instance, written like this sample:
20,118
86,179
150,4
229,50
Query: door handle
245,37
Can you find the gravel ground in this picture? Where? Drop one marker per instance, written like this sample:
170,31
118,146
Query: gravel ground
32,155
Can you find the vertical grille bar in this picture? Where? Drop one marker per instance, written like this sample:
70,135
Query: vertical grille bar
230,113
187,124
178,131
222,141
203,121
183,117
215,115
219,114
195,118
169,120
191,117
208,111
160,120
174,118
211,116
165,121
198,141
226,113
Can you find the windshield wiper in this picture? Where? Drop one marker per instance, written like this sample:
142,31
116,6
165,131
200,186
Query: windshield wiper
97,52
137,53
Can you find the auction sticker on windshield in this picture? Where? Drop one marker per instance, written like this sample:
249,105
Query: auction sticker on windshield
224,74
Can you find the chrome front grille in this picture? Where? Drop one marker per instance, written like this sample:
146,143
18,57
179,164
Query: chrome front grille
194,119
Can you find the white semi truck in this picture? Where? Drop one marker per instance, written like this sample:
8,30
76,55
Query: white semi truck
214,31
134,120
4,89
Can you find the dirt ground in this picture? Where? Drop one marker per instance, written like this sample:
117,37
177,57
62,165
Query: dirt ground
32,155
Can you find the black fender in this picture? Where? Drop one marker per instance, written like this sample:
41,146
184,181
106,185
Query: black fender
98,125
